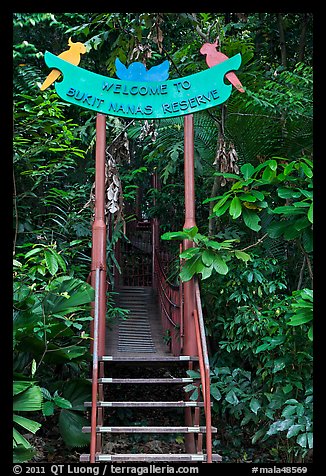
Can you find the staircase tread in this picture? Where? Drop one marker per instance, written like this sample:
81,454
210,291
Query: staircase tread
149,429
155,404
146,380
151,457
155,358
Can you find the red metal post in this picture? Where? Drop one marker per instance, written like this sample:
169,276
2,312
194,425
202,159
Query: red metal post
189,339
99,229
189,342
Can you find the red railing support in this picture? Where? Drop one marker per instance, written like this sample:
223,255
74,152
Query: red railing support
95,372
204,370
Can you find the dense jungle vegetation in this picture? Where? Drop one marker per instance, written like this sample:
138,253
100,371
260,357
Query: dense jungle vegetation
254,213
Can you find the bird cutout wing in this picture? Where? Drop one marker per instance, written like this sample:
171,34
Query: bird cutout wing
159,72
53,76
121,70
135,72
138,72
235,81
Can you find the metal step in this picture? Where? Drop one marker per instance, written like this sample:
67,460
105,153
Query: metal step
139,457
168,358
145,380
182,404
148,429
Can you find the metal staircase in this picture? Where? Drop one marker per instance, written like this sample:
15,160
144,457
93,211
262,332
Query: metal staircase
137,342
196,429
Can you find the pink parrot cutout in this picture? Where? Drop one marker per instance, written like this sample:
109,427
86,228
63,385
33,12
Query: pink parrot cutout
214,57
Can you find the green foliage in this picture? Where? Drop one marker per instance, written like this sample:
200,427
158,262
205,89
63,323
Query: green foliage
27,398
302,309
254,191
70,406
207,256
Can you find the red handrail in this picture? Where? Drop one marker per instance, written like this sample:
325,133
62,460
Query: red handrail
95,367
170,304
204,369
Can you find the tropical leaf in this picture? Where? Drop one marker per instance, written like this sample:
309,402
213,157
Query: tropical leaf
29,401
70,426
26,423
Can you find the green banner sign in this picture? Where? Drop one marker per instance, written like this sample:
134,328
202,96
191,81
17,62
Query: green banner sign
143,99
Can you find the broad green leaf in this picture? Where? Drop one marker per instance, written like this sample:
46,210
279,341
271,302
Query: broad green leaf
189,253
33,370
221,202
28,401
310,334
246,419
247,170
220,265
193,374
306,169
60,260
254,405
22,454
190,267
285,192
79,293
20,440
279,364
302,440
289,410
276,229
175,235
221,210
195,394
269,174
207,271
287,388
26,423
227,175
251,219
191,231
48,408
235,207
310,438
62,402
310,213
214,244
307,239
261,432
70,426
215,392
288,210
21,385
301,223
300,319
272,164
247,197
232,398
77,391
279,425
258,194
208,257
33,252
242,255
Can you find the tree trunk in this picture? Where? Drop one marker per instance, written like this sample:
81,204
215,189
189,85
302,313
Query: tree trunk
302,41
282,38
